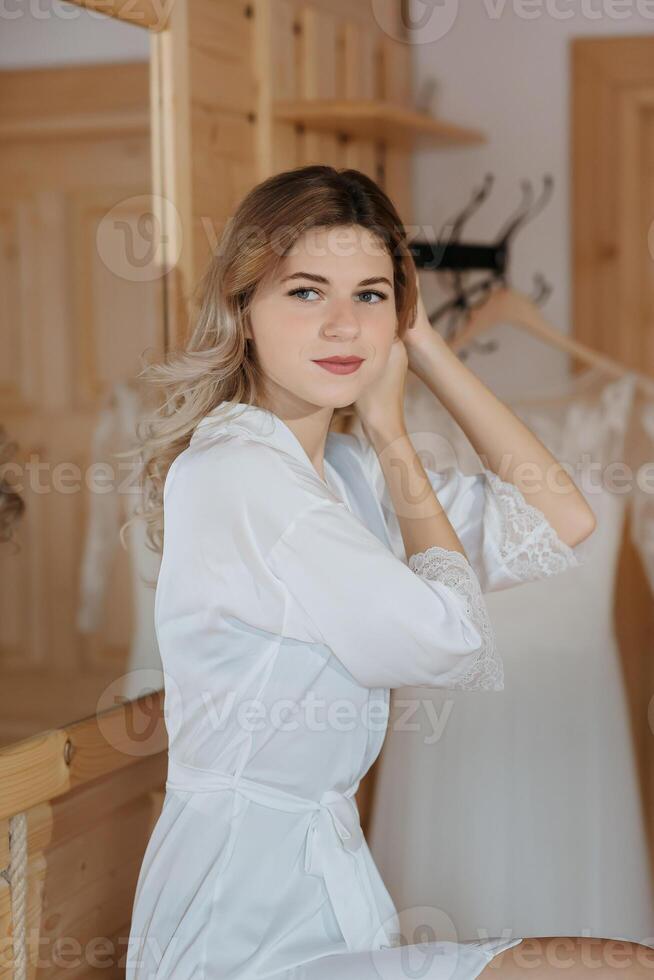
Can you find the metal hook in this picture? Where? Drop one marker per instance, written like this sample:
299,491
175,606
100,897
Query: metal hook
477,199
519,213
543,289
451,230
528,210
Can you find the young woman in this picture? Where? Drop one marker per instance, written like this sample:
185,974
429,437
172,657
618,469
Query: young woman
304,574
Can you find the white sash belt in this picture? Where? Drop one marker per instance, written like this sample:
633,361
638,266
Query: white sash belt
333,845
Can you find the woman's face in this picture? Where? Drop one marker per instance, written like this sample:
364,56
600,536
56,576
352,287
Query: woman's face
333,296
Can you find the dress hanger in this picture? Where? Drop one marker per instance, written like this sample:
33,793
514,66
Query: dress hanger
504,304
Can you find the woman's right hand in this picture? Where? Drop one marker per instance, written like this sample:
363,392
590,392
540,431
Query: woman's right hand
380,406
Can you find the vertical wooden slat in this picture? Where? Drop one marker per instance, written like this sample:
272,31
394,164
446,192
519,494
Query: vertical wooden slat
359,82
396,86
171,176
279,58
318,79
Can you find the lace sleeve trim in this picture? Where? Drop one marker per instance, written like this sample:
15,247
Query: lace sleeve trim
530,546
455,571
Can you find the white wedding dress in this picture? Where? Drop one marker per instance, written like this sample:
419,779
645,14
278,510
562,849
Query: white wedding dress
520,814
115,432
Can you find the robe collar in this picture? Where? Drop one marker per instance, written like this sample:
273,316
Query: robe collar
258,423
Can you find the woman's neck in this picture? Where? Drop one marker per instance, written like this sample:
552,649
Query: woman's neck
308,423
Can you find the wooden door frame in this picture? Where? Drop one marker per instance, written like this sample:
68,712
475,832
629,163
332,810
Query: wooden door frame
612,87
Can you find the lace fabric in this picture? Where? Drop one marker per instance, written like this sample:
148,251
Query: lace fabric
530,548
455,571
586,419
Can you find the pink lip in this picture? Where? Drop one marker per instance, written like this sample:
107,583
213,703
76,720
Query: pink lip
348,366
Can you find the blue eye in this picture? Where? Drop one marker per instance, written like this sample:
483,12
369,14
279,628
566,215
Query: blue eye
368,292
373,292
301,289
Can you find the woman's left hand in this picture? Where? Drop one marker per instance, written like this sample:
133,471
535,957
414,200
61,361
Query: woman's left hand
420,334
380,406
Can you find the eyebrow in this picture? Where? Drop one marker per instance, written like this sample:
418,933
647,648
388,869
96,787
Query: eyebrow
316,278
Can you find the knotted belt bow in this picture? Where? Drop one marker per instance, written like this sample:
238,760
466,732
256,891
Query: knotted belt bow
333,846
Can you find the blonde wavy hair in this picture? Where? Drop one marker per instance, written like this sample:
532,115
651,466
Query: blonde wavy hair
219,363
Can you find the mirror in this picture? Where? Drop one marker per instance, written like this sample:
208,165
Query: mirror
82,311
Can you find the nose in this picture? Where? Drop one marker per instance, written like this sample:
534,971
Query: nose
341,320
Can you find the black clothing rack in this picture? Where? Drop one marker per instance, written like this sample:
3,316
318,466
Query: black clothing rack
459,259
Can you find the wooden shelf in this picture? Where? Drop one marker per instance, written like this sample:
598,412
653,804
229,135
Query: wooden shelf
372,119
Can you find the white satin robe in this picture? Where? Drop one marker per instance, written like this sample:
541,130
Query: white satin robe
285,612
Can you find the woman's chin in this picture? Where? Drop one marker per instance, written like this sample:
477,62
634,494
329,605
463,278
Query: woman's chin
337,395
339,402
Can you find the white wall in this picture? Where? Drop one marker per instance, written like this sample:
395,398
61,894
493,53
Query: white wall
40,33
507,73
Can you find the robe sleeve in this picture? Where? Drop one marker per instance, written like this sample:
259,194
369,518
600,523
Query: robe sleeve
275,538
389,623
507,540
